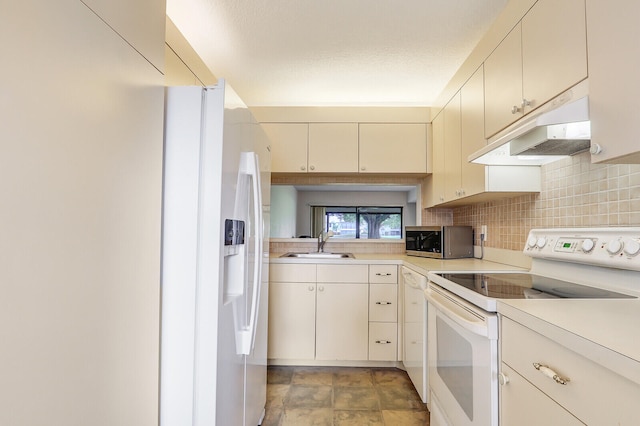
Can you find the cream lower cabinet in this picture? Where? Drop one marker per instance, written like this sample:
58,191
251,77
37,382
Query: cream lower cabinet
592,393
383,312
292,311
318,312
341,322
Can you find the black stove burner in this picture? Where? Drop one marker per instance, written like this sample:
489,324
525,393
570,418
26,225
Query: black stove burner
528,286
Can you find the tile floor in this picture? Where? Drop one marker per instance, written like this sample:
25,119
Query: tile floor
342,396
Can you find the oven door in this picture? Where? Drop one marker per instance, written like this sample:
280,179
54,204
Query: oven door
463,361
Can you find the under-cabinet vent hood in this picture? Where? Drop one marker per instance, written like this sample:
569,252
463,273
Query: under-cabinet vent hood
557,129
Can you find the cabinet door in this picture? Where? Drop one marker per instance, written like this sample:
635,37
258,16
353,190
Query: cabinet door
554,49
393,148
521,403
452,153
292,320
436,195
333,147
503,83
288,146
614,60
472,177
342,323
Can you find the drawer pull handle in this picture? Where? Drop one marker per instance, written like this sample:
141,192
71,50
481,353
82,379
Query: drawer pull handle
383,342
383,303
544,369
387,274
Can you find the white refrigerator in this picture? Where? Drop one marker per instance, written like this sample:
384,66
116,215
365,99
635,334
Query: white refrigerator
215,260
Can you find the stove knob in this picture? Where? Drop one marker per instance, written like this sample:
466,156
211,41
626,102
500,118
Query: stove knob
542,241
614,246
631,247
587,245
531,242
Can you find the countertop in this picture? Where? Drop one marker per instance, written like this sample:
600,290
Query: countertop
421,265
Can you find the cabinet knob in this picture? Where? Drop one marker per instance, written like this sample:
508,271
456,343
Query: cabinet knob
526,102
312,167
303,168
363,168
515,109
311,288
503,379
595,149
321,288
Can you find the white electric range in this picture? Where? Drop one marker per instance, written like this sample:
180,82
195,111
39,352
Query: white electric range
574,263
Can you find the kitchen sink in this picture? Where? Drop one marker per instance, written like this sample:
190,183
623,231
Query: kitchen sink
319,255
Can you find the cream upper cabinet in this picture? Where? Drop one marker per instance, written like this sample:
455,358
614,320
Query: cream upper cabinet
503,83
333,148
392,148
472,176
288,146
554,49
452,153
544,55
614,60
436,193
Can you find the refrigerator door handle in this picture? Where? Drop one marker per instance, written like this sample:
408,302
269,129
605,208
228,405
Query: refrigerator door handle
245,335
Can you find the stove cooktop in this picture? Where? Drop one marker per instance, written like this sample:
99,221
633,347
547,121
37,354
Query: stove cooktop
516,285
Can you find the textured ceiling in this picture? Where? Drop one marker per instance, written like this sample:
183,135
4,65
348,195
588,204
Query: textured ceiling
334,52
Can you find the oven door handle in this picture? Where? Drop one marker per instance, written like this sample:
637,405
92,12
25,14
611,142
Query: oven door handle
464,316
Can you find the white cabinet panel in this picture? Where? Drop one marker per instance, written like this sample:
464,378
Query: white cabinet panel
383,274
292,272
289,143
328,273
333,148
503,83
393,148
342,322
614,60
292,333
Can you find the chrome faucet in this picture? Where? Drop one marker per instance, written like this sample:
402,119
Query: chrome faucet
322,238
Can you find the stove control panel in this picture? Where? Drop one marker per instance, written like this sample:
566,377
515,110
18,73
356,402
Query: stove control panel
611,247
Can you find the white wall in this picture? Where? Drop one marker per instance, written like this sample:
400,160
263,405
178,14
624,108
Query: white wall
284,202
81,182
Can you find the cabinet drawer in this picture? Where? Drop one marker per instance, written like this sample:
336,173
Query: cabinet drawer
523,404
590,388
383,303
383,274
292,273
342,274
383,341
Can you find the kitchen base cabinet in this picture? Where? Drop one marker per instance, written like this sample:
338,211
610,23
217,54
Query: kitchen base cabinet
292,320
523,404
559,377
341,322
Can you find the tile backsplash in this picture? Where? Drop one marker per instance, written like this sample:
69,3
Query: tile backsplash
575,193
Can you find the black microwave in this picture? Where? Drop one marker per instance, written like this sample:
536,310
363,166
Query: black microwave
439,242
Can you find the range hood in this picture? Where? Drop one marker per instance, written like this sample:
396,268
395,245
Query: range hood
559,128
